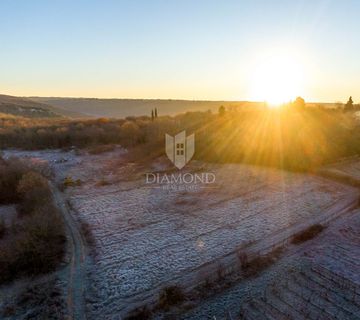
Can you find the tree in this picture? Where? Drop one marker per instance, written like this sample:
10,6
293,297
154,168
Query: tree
152,115
221,111
349,105
299,103
34,191
130,132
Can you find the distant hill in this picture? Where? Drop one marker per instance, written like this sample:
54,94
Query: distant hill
23,107
115,108
120,108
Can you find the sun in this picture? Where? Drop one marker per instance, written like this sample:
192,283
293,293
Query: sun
277,78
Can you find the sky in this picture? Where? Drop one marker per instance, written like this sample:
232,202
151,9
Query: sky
184,49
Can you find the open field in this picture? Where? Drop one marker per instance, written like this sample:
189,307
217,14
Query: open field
144,238
179,160
319,280
147,238
346,170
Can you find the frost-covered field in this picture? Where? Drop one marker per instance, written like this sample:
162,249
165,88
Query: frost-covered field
147,238
322,281
7,214
348,169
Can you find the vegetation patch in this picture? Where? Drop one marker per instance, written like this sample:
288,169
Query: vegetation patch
87,232
337,135
307,234
70,182
142,313
256,265
35,243
171,296
101,149
25,304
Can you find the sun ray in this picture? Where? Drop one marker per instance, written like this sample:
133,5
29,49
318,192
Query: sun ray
277,78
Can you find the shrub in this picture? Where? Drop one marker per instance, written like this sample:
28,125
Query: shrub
41,247
34,191
68,182
220,272
11,172
243,258
102,183
101,149
38,246
307,234
36,241
88,235
256,265
170,296
140,314
31,181
205,289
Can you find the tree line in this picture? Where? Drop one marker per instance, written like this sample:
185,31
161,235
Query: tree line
294,137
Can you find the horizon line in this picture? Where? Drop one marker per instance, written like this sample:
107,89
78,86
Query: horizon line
167,99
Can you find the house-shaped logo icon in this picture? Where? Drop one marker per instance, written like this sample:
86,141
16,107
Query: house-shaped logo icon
180,149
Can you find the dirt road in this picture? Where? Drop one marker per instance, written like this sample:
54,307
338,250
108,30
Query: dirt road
76,272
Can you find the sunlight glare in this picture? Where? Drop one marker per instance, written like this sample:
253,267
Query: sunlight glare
277,78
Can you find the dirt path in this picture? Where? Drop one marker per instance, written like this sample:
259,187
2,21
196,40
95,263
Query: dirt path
76,282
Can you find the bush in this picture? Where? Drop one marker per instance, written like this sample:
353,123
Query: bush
102,183
140,314
41,247
307,234
243,258
70,182
37,240
38,246
88,234
170,296
34,191
256,265
11,172
101,149
31,181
